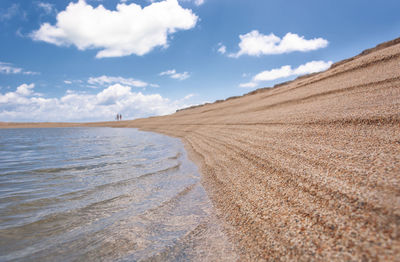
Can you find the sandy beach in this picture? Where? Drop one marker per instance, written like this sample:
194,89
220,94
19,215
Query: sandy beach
307,170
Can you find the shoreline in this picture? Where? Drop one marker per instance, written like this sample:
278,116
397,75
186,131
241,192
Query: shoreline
309,170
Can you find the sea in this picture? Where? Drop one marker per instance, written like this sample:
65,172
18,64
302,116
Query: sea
102,194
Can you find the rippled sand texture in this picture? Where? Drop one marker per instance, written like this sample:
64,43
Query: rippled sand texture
307,170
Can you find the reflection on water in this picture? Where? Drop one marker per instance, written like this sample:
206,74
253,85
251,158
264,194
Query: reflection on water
101,194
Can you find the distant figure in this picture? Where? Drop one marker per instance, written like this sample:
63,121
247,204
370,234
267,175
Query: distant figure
117,117
120,117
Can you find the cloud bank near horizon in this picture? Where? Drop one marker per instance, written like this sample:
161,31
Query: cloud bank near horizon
24,104
130,29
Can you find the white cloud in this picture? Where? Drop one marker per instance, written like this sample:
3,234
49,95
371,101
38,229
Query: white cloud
248,85
221,48
7,68
312,67
76,83
47,7
17,97
24,104
181,76
199,2
286,71
174,75
168,72
268,75
9,13
196,2
189,96
130,29
25,90
107,80
256,44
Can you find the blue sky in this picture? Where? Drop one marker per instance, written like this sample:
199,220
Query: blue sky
89,60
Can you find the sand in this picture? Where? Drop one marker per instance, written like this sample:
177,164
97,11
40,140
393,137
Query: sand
308,170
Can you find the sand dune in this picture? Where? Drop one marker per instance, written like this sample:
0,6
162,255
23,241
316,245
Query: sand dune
307,170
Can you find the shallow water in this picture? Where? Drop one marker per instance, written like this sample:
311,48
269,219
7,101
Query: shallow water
100,194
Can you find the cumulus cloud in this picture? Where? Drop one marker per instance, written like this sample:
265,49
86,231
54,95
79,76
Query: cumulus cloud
20,96
130,29
256,44
174,75
287,71
25,89
24,104
8,68
107,80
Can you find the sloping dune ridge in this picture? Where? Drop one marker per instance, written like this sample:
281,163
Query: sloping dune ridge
308,170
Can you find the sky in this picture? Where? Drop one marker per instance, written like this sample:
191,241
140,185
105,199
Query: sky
77,60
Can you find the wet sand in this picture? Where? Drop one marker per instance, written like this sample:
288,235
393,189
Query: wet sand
308,170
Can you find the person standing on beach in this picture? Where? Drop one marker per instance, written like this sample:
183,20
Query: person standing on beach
120,117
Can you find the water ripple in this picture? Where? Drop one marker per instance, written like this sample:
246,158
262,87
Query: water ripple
94,194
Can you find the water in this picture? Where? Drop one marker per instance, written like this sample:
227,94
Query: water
101,194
